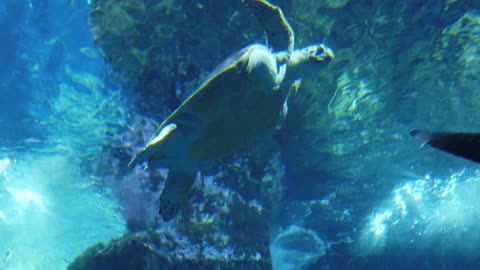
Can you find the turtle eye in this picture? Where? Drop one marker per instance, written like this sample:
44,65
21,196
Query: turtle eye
321,53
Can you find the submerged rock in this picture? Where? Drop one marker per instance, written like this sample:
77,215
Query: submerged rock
165,250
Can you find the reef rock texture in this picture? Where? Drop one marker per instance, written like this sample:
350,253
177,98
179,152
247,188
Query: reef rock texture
164,49
161,250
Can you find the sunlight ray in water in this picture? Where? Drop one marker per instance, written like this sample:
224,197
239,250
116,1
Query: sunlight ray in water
44,202
423,209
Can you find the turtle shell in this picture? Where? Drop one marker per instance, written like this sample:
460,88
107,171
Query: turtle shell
231,107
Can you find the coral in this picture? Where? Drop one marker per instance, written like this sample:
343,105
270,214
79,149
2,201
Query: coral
136,191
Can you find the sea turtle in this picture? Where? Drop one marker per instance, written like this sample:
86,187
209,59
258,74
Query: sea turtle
242,98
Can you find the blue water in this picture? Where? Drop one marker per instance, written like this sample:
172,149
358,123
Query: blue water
50,209
367,198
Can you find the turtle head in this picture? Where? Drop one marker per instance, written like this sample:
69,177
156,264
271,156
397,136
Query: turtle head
320,53
315,53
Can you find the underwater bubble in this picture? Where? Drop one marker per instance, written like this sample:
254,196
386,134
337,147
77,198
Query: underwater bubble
296,248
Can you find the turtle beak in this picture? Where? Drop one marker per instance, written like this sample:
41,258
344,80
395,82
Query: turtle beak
322,53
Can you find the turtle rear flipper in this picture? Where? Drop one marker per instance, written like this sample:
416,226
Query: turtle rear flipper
175,194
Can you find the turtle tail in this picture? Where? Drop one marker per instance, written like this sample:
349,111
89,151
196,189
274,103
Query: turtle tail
175,194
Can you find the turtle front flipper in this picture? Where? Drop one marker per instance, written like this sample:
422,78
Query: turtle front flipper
281,74
175,194
151,147
279,32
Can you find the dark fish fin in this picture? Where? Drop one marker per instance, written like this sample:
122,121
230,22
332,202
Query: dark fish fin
421,136
175,194
466,145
